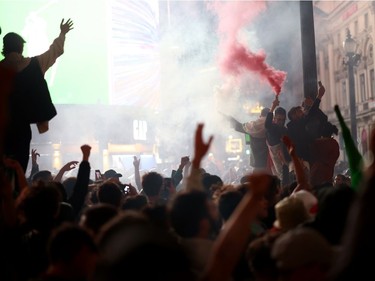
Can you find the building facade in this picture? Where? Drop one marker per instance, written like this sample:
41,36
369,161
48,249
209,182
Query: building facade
332,20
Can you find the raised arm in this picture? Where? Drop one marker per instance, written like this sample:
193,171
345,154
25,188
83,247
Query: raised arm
47,59
234,123
34,164
66,168
194,181
177,176
232,240
137,175
315,106
81,187
302,180
269,119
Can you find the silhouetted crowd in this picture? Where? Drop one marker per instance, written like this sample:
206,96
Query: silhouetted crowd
294,216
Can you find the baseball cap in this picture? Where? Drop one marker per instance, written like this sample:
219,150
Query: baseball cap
112,174
12,37
309,200
290,212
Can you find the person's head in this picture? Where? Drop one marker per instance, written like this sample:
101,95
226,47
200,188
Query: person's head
302,254
266,201
112,175
95,216
264,112
12,42
295,113
73,251
39,205
157,215
69,184
290,212
258,255
43,175
280,116
211,183
340,179
110,193
309,201
228,202
134,249
152,183
334,206
136,203
190,215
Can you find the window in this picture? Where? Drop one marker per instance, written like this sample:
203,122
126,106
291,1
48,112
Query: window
366,20
372,84
356,28
362,87
139,130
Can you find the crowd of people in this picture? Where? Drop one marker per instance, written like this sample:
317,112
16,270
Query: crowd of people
292,218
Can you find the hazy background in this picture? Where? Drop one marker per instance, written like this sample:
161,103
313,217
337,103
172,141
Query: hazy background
159,64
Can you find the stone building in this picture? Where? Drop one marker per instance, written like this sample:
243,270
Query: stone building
333,19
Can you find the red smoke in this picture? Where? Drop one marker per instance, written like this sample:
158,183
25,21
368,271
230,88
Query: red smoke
234,58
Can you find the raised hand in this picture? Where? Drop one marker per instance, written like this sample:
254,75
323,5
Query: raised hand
184,161
66,27
321,90
69,166
201,147
132,190
136,162
86,149
34,156
275,104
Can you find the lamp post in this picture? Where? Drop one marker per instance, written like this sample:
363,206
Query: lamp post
350,48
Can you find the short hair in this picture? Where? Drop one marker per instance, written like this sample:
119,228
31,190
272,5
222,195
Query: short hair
43,175
152,183
129,242
136,203
188,209
97,215
67,241
209,180
69,184
259,258
110,193
39,203
228,202
292,112
280,111
12,42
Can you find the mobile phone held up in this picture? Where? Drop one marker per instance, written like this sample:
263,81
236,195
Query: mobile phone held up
167,184
98,175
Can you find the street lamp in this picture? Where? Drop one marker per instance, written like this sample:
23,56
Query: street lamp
350,48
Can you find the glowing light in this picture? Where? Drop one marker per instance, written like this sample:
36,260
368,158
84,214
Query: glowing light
135,57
